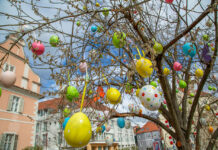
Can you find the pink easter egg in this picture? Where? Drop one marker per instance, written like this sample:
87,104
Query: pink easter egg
38,48
82,67
8,78
169,1
177,66
165,102
108,128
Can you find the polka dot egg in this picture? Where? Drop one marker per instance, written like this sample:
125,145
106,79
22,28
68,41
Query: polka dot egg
150,97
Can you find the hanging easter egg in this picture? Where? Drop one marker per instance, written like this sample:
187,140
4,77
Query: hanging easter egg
128,88
166,71
177,66
109,139
210,87
153,83
65,122
199,73
38,48
98,129
210,129
108,128
206,37
209,23
119,39
24,28
121,122
144,67
78,130
8,78
169,1
127,124
180,108
97,4
66,112
137,92
78,23
100,117
113,96
190,101
189,49
131,108
150,97
103,128
94,28
136,110
192,94
0,92
203,122
72,93
105,12
158,48
214,89
82,67
54,40
182,84
206,54
207,107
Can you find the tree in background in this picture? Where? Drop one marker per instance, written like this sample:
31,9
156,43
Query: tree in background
128,44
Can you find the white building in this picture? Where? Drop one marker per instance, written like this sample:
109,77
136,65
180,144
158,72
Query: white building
49,132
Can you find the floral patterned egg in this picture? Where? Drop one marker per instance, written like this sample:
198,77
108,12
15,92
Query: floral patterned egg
100,117
127,124
109,139
150,97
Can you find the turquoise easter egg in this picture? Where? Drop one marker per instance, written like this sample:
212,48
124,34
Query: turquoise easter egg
189,49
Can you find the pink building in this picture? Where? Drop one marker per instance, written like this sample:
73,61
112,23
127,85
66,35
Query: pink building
19,103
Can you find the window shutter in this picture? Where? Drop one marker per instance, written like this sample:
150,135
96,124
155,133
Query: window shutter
2,141
10,102
21,105
15,140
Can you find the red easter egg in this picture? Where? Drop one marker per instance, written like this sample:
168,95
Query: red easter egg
171,142
169,1
38,48
177,66
166,121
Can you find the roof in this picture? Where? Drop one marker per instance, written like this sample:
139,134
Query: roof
148,127
59,102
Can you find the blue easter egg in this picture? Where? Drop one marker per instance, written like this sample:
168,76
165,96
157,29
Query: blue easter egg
65,122
93,28
121,122
189,49
103,128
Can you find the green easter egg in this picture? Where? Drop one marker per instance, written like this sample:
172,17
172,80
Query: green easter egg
105,12
210,87
190,101
177,91
78,23
119,39
66,112
158,48
214,88
72,93
192,94
153,83
182,84
180,108
205,37
54,40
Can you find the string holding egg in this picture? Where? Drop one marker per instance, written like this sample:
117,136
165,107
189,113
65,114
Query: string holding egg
8,78
150,97
78,130
189,49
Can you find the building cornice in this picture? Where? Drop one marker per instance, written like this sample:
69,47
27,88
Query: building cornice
23,91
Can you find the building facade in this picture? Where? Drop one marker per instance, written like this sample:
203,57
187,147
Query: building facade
49,131
19,103
148,137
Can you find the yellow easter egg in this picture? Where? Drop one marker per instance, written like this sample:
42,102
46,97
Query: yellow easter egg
78,130
207,107
113,96
166,71
199,73
144,67
137,92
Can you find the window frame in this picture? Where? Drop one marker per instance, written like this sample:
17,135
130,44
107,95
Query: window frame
9,67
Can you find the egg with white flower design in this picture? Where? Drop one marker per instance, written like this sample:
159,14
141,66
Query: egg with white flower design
150,97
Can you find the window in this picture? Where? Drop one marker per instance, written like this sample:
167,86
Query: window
59,137
45,126
9,67
37,127
34,87
24,83
15,104
26,71
44,139
9,141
